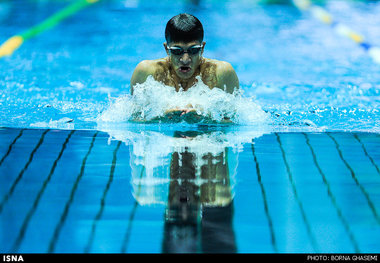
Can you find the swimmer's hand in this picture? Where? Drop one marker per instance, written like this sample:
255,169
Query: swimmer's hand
226,120
187,115
190,116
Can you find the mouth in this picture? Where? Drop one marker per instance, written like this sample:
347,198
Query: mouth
184,69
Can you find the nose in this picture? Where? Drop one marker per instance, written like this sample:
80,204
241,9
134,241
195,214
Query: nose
185,59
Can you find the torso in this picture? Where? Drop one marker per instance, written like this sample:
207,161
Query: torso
165,74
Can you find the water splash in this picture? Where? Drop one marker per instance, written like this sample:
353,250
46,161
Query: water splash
338,106
152,99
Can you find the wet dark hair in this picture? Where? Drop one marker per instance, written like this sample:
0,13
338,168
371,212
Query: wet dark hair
183,28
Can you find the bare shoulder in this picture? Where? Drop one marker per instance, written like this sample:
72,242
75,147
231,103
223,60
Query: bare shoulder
146,68
226,77
149,67
224,67
145,65
219,65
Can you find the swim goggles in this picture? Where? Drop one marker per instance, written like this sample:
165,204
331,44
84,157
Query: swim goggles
178,51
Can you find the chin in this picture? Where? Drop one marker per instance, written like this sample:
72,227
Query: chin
186,75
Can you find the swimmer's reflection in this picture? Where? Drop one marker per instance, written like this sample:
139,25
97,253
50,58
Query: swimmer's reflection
199,212
195,182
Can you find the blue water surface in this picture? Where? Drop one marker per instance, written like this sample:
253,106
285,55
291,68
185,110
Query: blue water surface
307,180
292,64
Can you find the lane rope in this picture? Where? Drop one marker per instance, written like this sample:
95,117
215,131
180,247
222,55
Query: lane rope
343,30
13,43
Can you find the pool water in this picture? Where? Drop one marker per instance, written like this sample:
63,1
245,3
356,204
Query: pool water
77,191
299,172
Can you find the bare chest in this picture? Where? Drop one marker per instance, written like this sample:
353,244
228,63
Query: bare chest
207,72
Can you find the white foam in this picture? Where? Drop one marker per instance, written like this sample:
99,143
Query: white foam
63,123
152,99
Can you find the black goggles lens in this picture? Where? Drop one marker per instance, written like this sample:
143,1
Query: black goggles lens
179,51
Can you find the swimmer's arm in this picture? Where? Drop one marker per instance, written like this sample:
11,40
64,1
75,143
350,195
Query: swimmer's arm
144,69
226,77
227,80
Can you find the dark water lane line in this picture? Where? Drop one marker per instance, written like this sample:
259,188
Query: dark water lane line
353,175
65,212
332,197
31,212
263,193
15,183
103,200
124,245
300,205
11,146
366,153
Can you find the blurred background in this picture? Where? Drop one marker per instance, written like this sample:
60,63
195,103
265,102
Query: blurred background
288,61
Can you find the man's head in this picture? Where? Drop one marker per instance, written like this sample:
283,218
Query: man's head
183,28
184,44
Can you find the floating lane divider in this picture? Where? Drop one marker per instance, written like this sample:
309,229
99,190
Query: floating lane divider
9,46
322,15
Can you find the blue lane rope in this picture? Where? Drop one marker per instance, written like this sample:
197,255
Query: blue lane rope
13,43
326,18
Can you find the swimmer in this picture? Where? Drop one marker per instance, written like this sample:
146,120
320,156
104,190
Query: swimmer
184,47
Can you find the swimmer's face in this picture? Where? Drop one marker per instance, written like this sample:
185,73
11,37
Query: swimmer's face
185,57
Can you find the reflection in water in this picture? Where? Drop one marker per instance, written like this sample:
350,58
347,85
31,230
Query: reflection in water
199,203
193,174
